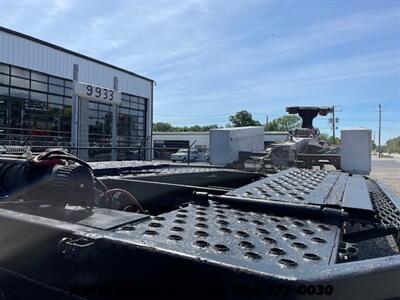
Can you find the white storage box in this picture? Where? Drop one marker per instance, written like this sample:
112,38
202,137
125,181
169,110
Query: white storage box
225,143
356,150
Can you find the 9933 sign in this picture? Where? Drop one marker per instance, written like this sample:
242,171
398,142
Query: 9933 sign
98,93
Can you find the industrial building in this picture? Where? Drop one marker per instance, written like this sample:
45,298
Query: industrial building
51,96
167,142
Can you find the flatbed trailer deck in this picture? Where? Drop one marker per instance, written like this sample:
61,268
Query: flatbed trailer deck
208,232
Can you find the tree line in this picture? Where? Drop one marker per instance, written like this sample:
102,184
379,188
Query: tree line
284,123
240,119
393,145
167,127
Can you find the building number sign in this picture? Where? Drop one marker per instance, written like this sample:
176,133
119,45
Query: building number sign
97,93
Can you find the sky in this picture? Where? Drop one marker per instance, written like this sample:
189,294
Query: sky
211,59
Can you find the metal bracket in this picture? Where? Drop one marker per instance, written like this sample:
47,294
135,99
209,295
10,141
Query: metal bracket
76,249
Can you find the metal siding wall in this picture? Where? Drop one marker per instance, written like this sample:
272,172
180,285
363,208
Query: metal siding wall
25,53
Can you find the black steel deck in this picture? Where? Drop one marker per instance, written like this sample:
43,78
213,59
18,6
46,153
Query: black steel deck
261,243
287,230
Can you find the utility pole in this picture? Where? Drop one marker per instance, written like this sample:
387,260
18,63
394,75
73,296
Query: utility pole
374,142
266,122
379,132
333,123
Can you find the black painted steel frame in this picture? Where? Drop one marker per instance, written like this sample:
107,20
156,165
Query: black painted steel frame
253,242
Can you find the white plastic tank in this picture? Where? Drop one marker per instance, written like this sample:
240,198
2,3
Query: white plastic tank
356,150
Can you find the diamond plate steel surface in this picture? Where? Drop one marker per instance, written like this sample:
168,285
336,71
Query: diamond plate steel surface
183,170
124,164
220,234
139,168
387,214
293,185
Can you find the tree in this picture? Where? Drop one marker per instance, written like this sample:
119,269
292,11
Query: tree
243,118
208,127
167,127
324,136
195,128
373,145
330,139
393,145
334,141
284,123
162,127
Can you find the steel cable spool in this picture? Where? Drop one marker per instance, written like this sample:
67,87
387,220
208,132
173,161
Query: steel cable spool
69,181
53,177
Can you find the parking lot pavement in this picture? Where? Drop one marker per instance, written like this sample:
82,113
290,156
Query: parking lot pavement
393,156
387,169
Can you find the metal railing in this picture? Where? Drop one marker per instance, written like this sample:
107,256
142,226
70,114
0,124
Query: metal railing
35,137
108,153
99,149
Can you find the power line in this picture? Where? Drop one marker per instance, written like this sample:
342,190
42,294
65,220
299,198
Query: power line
391,128
367,120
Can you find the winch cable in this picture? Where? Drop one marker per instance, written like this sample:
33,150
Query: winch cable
58,155
108,194
134,201
105,189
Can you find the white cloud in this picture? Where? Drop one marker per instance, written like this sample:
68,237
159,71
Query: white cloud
222,55
34,16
